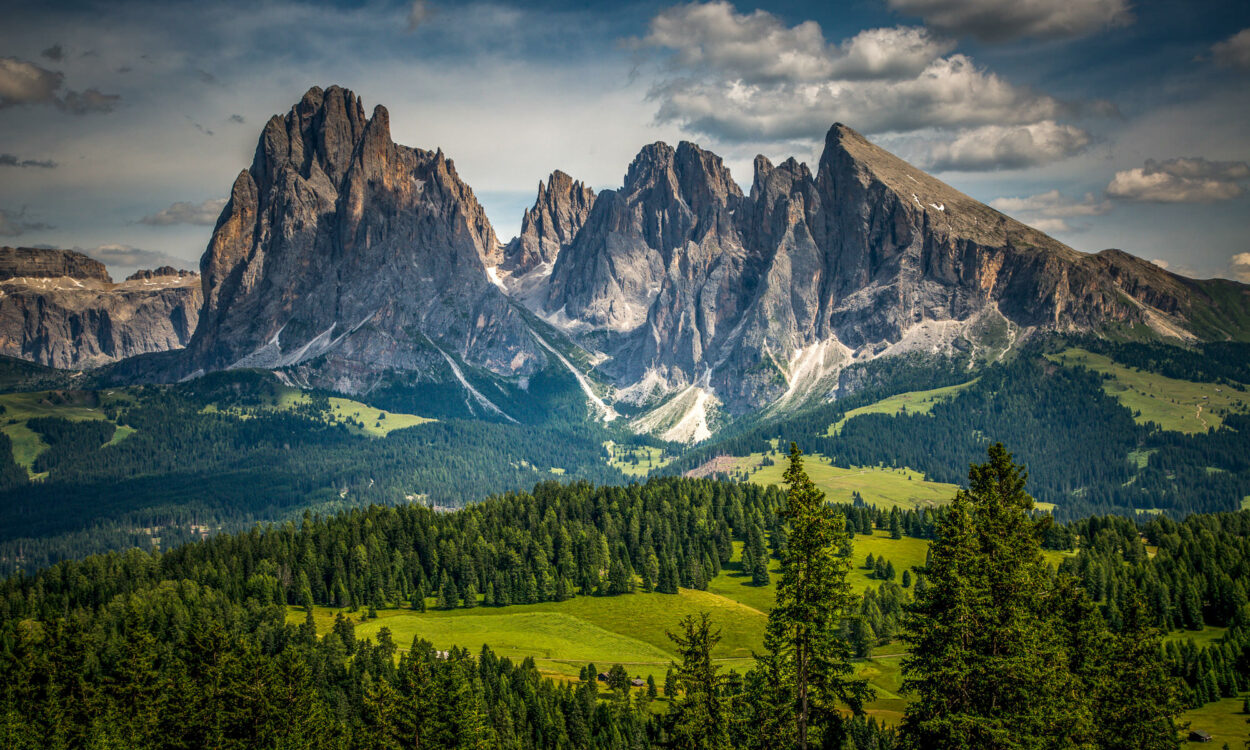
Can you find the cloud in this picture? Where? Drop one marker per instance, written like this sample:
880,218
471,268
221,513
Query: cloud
55,53
1233,52
1049,212
9,160
750,78
1004,20
15,225
1007,147
1053,204
902,52
88,101
237,119
1160,263
418,14
1193,180
185,212
25,83
127,256
1239,266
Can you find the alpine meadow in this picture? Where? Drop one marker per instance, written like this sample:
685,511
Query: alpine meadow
896,397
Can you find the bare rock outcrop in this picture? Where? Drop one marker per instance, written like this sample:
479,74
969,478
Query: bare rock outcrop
762,299
347,255
39,263
549,226
60,308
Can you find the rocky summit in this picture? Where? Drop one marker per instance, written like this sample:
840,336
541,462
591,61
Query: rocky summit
60,308
343,258
712,299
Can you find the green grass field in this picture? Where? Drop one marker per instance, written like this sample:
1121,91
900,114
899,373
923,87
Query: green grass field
636,460
630,630
1205,637
1177,405
880,486
377,423
1223,719
912,402
75,406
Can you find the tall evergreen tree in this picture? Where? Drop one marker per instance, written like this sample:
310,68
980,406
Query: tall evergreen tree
804,646
699,718
988,668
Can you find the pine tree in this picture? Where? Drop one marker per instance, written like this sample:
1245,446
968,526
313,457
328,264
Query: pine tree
803,640
699,719
1140,717
987,667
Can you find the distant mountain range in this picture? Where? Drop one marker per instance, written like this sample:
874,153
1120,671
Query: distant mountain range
345,261
60,308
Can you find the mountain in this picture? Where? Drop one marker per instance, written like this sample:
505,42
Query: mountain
60,308
343,257
352,263
548,227
696,292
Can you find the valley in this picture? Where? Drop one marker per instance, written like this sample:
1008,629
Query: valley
378,476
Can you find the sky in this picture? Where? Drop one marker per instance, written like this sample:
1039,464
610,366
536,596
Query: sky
1105,123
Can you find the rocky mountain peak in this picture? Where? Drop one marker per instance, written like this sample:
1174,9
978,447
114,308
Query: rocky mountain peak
342,247
60,308
316,137
549,226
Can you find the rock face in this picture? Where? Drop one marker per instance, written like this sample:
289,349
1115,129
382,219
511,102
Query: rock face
342,257
549,226
749,301
60,308
348,256
37,263
159,273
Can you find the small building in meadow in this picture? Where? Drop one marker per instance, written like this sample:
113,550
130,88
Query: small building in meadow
1198,735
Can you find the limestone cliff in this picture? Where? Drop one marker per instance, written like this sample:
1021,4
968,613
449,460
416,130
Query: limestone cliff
60,308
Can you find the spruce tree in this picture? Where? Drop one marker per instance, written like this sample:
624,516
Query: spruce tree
803,641
988,668
699,718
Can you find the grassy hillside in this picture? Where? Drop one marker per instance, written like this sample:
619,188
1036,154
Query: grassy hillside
76,406
912,402
883,487
562,637
1177,405
1223,719
636,460
358,417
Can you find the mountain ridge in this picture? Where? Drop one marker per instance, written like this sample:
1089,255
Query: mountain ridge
348,262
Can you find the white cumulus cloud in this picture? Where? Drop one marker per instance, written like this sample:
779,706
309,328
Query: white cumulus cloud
1050,211
25,83
1184,180
1239,266
1007,147
750,78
